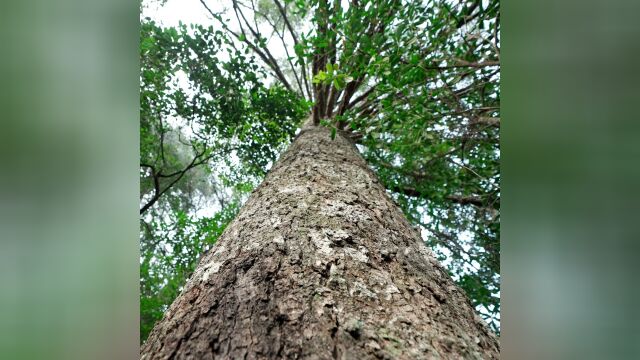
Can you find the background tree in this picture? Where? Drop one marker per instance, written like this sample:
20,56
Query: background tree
414,83
207,135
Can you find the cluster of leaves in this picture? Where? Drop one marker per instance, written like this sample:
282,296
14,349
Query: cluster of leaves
430,128
209,129
169,255
196,109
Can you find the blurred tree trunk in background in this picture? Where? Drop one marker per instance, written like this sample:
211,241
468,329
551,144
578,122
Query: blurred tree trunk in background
320,264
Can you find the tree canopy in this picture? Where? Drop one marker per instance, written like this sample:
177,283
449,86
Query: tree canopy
414,83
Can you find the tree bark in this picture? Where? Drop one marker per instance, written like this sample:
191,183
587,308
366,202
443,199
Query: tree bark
320,264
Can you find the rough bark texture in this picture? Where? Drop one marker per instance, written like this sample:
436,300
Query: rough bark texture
320,264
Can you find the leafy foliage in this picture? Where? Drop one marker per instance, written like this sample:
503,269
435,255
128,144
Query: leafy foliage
435,138
209,129
169,254
414,83
197,109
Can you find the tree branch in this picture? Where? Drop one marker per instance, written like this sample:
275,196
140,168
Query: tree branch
266,57
286,50
283,12
266,54
466,200
457,199
489,121
157,175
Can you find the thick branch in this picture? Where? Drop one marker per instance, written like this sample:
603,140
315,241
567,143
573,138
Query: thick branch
489,121
457,199
361,97
466,200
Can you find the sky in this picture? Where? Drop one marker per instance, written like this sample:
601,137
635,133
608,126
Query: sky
176,11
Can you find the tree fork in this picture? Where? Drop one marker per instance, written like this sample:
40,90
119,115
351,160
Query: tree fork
320,264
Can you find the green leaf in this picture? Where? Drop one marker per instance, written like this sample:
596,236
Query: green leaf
320,77
339,82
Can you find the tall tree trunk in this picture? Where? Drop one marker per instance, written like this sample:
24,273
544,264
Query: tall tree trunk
320,264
